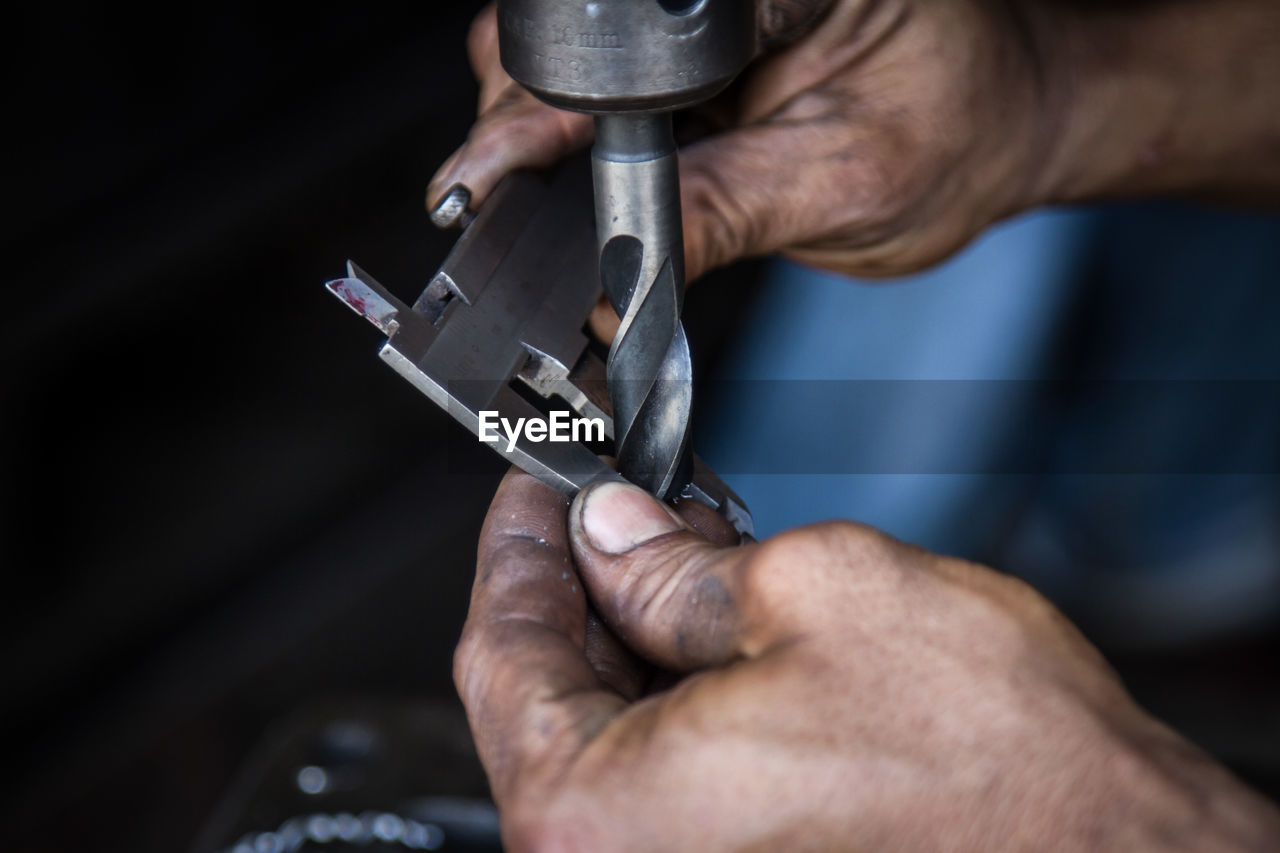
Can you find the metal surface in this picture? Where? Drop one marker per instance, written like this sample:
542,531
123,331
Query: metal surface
625,55
631,62
501,325
642,269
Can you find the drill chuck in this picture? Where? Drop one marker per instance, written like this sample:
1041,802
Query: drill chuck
602,56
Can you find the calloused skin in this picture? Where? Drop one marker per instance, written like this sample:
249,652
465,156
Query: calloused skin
837,690
831,688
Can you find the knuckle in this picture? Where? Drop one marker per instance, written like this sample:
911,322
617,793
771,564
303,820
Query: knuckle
463,654
766,575
467,659
814,557
480,668
725,227
508,557
515,564
791,556
859,544
491,132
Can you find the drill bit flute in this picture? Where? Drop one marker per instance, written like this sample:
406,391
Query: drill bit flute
642,270
630,63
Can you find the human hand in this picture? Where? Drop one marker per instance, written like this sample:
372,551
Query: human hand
878,142
875,138
841,690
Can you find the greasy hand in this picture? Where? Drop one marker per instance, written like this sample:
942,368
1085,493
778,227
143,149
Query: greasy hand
877,139
842,691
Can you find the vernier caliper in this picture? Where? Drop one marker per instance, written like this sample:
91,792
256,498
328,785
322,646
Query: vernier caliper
500,328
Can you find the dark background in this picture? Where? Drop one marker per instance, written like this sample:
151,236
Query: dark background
219,507
219,504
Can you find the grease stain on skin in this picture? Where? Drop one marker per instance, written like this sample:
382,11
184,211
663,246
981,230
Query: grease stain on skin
715,604
713,591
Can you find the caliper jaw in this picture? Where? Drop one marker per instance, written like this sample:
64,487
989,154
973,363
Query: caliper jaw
503,320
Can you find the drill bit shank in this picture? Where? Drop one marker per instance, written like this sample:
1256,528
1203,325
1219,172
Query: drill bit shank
642,271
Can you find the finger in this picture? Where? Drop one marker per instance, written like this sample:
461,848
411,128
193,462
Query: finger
717,529
711,524
603,321
517,132
780,22
531,695
514,129
486,61
843,189
739,198
666,591
848,40
615,664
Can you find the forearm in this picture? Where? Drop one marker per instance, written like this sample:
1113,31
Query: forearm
1176,97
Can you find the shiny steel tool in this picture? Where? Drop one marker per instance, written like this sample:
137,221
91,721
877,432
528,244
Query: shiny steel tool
630,63
500,328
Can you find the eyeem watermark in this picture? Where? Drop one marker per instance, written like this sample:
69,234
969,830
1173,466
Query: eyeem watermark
558,427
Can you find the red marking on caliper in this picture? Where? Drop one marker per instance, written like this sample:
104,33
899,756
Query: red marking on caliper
353,299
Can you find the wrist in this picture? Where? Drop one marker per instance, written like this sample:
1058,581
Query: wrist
1156,98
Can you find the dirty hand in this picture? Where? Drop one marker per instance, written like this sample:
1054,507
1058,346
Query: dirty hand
875,137
840,690
877,142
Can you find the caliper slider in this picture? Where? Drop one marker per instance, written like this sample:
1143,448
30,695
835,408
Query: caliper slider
503,319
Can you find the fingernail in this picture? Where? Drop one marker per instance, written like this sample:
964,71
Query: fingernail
454,210
619,516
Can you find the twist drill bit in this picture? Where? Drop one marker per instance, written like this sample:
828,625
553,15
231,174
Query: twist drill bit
630,63
641,241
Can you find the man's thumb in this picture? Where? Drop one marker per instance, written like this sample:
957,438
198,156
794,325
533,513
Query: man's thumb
665,590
